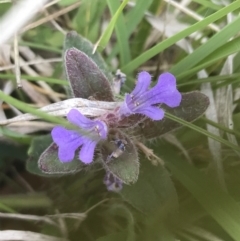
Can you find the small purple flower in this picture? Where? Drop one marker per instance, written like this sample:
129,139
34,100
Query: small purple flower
142,100
112,183
69,141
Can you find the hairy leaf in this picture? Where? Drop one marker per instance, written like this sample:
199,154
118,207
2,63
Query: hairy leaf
192,106
124,162
153,191
49,163
86,79
73,39
43,159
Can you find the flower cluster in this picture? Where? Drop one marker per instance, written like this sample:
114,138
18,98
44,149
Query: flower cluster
142,100
112,183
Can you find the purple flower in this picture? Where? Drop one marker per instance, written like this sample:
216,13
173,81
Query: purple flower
142,100
112,183
69,141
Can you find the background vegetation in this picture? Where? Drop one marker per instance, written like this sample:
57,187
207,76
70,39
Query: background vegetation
195,196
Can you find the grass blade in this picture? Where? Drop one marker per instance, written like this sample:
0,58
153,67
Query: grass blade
33,78
206,49
202,131
106,35
135,16
24,107
122,34
224,51
172,40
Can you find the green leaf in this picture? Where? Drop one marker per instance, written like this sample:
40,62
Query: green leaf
49,163
43,159
192,106
37,147
153,190
125,164
86,79
73,40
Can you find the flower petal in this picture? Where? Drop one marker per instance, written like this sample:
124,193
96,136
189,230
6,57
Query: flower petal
76,118
170,95
68,141
66,155
142,100
164,91
152,112
167,81
143,82
102,129
87,151
61,136
127,106
173,100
